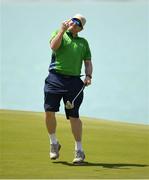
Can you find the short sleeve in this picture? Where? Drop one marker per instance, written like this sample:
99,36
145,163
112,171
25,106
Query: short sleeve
53,35
87,55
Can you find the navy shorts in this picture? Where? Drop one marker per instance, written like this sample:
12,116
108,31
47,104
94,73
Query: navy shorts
58,87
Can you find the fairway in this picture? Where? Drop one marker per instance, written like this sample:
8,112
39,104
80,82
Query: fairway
113,149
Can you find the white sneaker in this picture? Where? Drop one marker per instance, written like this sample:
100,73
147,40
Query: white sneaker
54,151
79,157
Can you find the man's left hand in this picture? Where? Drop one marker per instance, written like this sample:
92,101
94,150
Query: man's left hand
87,81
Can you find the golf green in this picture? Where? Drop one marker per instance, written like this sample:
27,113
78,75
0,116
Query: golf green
113,149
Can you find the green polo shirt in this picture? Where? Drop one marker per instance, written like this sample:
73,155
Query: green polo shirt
68,58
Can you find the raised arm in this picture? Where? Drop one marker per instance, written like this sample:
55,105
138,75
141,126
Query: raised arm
57,40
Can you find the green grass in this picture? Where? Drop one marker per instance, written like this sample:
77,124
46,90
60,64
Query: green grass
113,149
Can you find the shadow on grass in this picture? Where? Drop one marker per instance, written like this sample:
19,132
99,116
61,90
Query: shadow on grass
103,165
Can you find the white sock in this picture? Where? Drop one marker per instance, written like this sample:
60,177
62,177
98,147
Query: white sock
53,139
78,146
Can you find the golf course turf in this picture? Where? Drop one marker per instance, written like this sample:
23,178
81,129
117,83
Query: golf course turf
113,149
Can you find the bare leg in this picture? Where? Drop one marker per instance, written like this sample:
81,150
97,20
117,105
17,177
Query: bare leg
51,127
76,127
50,122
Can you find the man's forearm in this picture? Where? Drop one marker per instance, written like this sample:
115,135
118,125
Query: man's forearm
57,40
88,68
88,72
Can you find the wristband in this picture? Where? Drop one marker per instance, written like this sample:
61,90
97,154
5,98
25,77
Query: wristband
89,76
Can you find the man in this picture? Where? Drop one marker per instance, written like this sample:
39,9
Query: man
63,82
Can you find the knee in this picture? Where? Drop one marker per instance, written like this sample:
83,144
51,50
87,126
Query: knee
75,120
49,115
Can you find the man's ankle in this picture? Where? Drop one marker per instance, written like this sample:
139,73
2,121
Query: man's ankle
78,146
52,138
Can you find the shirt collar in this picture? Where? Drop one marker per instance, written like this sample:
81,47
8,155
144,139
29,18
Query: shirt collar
69,33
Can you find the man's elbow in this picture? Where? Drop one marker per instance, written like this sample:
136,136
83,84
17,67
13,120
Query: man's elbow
53,47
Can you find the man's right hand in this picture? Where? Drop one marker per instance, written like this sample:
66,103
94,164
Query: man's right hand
65,25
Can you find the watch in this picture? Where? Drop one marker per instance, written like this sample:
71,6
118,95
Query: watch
90,76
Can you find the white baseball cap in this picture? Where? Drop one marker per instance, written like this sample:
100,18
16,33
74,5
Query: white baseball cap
81,18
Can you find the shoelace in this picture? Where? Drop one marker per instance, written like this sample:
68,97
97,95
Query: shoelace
79,154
